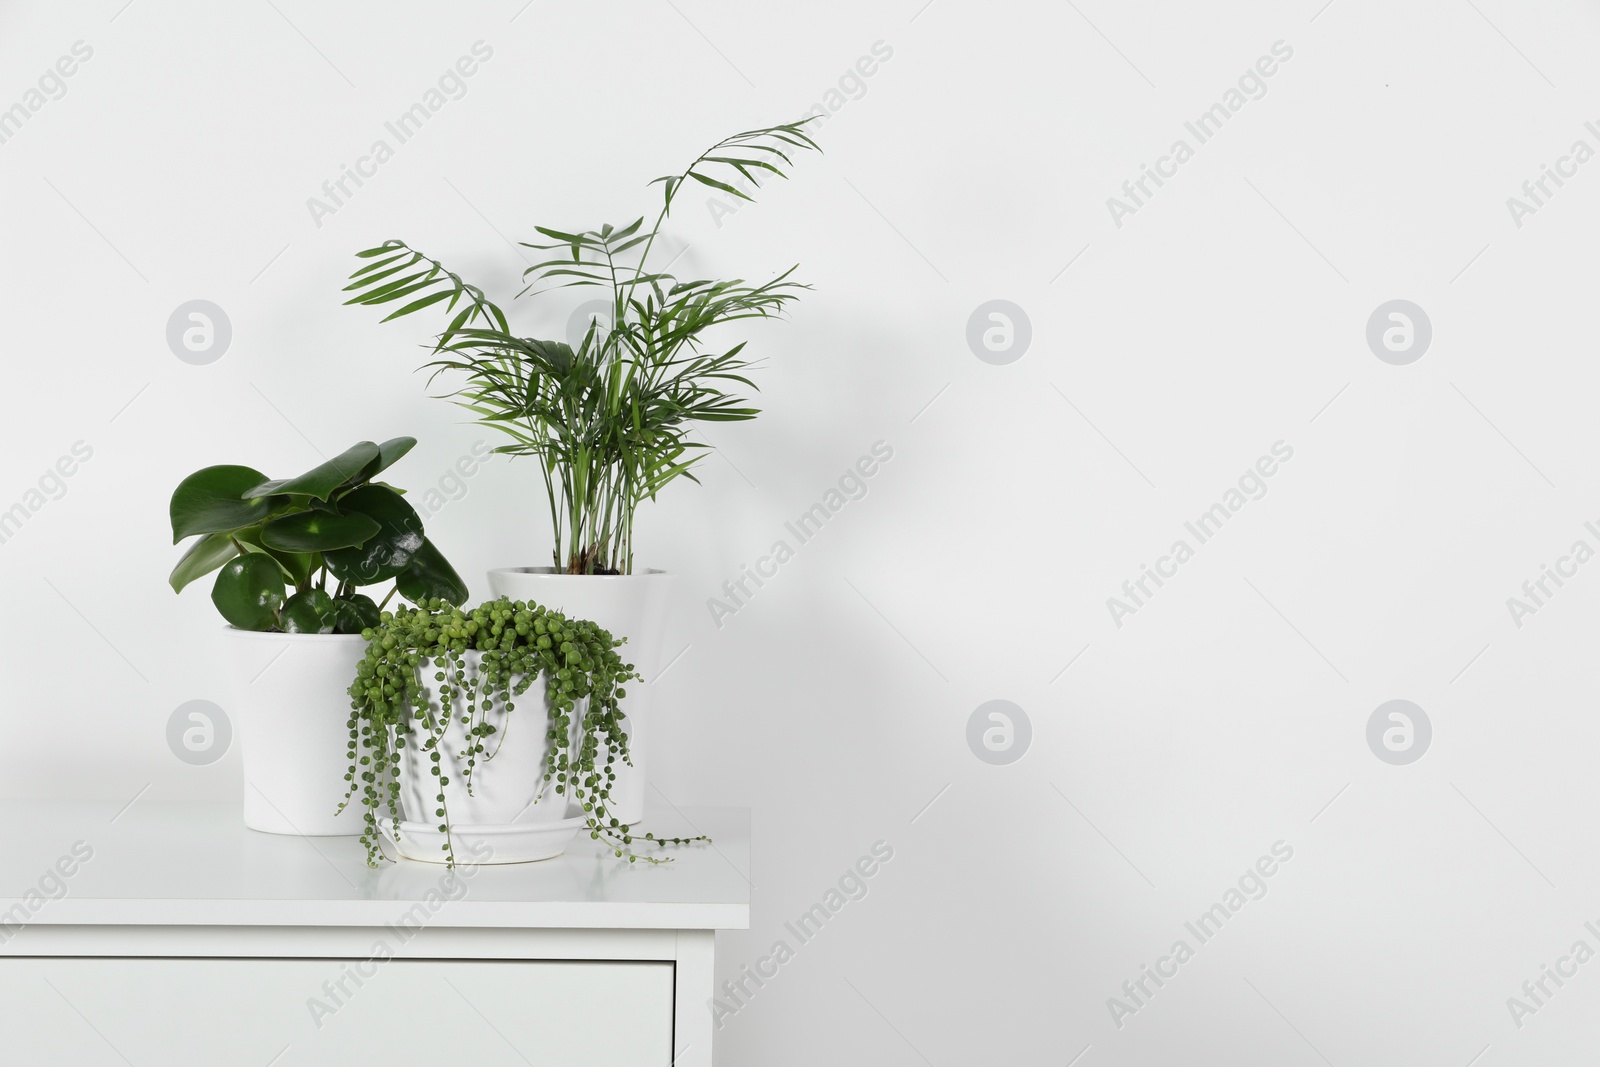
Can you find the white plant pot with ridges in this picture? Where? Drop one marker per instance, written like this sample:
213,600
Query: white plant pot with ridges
291,704
505,812
628,605
507,784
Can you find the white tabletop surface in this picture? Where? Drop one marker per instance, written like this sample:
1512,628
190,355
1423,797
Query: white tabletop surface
196,864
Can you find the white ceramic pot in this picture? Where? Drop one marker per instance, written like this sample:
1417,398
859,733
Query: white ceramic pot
510,814
291,703
628,605
507,784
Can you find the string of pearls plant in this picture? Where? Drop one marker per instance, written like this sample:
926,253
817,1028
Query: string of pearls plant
519,642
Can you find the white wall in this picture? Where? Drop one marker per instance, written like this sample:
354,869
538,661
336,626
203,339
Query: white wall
1224,315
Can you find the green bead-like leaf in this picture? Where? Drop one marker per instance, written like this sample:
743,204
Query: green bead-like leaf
317,531
388,551
202,557
249,591
309,612
213,501
430,575
320,481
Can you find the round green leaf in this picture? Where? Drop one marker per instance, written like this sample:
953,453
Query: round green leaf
249,591
266,488
317,531
308,612
389,453
211,501
430,575
320,481
203,557
354,613
386,554
297,566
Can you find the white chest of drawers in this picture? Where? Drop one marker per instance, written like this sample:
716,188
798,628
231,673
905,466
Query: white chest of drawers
168,935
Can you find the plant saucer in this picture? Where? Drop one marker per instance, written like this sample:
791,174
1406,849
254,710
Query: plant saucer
473,845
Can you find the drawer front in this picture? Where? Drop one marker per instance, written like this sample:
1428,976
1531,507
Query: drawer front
314,1012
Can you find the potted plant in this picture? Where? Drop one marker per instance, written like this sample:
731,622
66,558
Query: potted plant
610,419
435,761
291,558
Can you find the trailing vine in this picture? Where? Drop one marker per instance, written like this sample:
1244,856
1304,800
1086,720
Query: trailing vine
519,642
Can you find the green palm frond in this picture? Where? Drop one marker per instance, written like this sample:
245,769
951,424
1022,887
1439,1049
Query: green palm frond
375,284
751,154
610,422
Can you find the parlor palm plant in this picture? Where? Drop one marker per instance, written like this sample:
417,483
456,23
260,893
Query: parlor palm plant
610,421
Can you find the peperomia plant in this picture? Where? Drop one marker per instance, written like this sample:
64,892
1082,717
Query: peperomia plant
292,554
609,418
515,644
